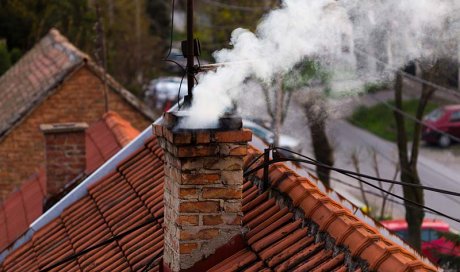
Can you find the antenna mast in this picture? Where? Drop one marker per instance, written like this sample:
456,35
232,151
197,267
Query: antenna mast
190,55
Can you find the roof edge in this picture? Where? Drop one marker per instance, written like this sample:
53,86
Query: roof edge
81,190
118,88
332,215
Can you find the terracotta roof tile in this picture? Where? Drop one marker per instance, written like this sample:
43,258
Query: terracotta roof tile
40,71
104,139
278,237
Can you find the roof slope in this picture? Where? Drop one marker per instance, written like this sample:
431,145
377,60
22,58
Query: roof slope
103,139
42,69
293,227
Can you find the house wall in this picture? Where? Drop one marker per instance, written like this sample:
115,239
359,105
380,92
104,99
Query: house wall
79,99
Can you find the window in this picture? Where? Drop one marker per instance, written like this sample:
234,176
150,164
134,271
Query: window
455,117
435,115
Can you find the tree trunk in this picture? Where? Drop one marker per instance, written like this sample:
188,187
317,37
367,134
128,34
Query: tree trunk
279,98
316,113
414,215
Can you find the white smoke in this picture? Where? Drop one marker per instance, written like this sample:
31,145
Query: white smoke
319,29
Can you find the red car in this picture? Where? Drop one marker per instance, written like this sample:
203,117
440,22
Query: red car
432,242
445,119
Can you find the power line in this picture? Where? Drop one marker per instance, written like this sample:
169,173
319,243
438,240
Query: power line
414,119
236,7
412,77
351,174
344,171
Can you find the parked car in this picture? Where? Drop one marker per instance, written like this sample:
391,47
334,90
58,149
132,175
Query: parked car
162,93
432,242
268,136
445,119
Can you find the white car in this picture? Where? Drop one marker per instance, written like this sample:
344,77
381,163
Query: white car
162,93
268,136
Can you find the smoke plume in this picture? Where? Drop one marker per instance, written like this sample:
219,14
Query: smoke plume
330,32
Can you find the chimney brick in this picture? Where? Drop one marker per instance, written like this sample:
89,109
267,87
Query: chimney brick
65,154
202,190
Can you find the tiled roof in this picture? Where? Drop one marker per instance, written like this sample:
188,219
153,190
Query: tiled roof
103,139
39,72
293,226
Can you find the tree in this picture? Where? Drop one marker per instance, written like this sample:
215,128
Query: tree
408,160
24,22
278,94
217,21
5,60
317,115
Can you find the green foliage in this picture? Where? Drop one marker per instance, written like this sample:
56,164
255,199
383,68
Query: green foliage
304,74
374,87
5,61
216,23
24,22
379,119
15,55
159,13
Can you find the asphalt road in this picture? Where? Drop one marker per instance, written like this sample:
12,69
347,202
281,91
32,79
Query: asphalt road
347,139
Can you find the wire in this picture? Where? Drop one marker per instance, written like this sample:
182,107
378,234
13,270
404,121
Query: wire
236,7
172,30
96,246
405,114
166,59
344,171
178,92
253,161
414,78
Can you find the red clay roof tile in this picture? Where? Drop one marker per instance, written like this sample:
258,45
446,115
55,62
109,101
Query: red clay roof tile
104,138
276,239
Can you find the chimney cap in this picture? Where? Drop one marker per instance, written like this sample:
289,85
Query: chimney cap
63,127
177,122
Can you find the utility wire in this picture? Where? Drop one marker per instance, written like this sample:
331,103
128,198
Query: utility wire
96,246
166,59
344,171
412,77
351,174
405,114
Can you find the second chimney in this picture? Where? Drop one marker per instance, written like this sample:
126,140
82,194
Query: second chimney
202,188
65,153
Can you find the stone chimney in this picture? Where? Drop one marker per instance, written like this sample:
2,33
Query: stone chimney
65,154
202,189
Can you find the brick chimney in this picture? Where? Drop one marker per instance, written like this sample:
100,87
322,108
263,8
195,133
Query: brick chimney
65,154
202,189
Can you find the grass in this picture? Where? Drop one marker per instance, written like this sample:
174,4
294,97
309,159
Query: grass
379,119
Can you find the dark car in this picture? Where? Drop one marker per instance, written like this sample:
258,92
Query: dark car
441,124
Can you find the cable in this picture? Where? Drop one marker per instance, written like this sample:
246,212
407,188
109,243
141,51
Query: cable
178,92
344,171
172,30
405,114
236,7
414,78
96,246
166,59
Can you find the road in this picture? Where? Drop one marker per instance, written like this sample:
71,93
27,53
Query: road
347,139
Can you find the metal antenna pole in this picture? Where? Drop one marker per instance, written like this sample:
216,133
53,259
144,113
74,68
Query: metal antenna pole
190,54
